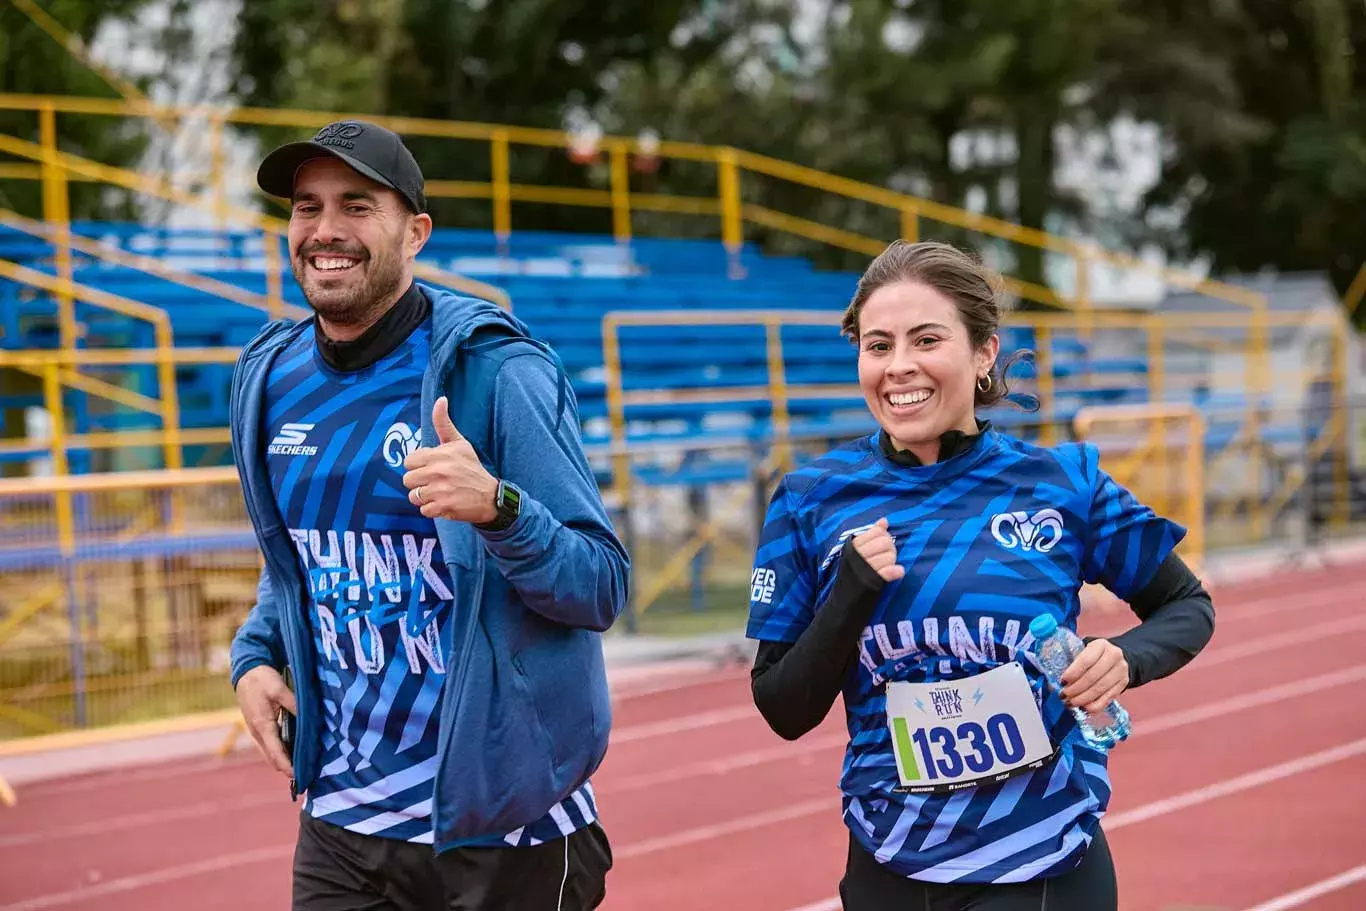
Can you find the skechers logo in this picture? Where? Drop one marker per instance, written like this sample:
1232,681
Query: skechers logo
292,440
1040,532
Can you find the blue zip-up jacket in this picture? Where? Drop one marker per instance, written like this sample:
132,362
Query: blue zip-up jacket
525,711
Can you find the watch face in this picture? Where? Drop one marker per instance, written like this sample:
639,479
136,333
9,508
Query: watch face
509,499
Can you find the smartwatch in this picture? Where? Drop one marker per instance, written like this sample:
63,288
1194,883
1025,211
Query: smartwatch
507,501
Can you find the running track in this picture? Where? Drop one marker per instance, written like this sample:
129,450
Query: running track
1244,787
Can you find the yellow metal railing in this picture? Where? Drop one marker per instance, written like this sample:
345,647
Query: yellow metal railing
58,165
149,638
152,266
61,367
914,214
776,389
56,374
1153,331
1355,292
728,203
1157,451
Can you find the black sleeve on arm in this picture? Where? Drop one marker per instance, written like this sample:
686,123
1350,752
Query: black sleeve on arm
1177,620
794,684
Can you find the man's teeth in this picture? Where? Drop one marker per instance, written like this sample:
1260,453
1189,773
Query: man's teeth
330,264
909,398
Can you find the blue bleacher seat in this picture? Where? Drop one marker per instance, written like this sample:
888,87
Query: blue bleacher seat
562,285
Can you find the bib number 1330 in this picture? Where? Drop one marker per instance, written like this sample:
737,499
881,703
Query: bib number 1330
964,733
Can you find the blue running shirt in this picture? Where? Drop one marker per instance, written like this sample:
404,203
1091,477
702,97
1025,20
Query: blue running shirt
380,593
990,538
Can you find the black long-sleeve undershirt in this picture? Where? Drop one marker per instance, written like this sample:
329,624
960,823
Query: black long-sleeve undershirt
795,684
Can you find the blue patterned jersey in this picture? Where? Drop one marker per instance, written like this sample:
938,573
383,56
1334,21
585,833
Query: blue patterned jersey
989,538
380,593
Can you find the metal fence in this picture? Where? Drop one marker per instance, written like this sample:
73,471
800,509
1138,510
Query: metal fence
120,593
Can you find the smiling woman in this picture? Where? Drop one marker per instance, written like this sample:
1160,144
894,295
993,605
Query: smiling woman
925,318
903,569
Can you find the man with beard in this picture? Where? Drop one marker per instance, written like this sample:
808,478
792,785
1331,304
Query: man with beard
439,566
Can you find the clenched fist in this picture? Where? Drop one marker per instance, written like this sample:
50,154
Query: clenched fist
878,550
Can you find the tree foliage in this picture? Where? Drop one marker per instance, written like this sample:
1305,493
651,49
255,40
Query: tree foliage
523,62
32,62
979,103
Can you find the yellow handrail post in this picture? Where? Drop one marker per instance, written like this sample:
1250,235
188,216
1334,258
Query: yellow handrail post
1157,365
170,402
910,224
777,384
728,187
1342,492
1259,384
616,410
1047,398
217,175
275,289
1156,384
502,193
1355,291
1082,295
57,211
52,400
621,194
1195,492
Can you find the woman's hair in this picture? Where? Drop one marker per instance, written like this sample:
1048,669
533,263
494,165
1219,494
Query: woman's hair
974,289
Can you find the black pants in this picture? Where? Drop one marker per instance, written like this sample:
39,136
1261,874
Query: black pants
337,870
869,886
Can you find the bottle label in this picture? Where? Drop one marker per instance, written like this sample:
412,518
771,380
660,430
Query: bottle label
966,733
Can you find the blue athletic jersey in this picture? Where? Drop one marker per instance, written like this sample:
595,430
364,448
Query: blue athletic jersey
380,593
989,538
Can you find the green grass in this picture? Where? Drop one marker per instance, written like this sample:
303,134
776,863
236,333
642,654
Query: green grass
724,609
120,691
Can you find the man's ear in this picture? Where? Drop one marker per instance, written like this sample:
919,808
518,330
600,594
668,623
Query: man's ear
419,232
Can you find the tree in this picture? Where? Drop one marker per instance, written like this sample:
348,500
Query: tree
523,62
32,62
1288,194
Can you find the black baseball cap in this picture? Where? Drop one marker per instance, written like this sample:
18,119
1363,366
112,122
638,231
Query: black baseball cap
366,147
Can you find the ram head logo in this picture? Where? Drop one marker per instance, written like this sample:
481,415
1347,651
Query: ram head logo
400,442
1040,532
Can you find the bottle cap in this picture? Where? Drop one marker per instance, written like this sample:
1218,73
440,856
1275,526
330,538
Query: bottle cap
1042,626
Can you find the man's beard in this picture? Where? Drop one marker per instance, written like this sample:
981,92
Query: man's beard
355,304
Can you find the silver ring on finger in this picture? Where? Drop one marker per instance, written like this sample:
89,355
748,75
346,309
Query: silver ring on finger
418,492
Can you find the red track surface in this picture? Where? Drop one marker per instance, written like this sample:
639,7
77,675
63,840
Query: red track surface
1243,787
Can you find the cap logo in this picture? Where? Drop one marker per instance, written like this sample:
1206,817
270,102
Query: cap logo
340,134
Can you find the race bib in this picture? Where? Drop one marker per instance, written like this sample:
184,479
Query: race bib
966,733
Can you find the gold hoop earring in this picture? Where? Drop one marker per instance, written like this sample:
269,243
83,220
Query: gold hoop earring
987,387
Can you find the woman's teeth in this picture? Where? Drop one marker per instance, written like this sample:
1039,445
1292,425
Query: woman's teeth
909,398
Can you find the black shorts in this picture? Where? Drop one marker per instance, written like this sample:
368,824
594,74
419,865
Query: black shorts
338,870
869,886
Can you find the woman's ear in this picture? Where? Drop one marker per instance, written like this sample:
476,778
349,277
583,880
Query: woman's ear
986,355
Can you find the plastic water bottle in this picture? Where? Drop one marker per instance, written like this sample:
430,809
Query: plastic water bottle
1055,647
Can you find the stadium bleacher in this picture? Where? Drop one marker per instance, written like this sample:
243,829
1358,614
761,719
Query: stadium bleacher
562,285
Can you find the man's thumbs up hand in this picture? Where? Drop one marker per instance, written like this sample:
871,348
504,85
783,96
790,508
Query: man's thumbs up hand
447,481
446,431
